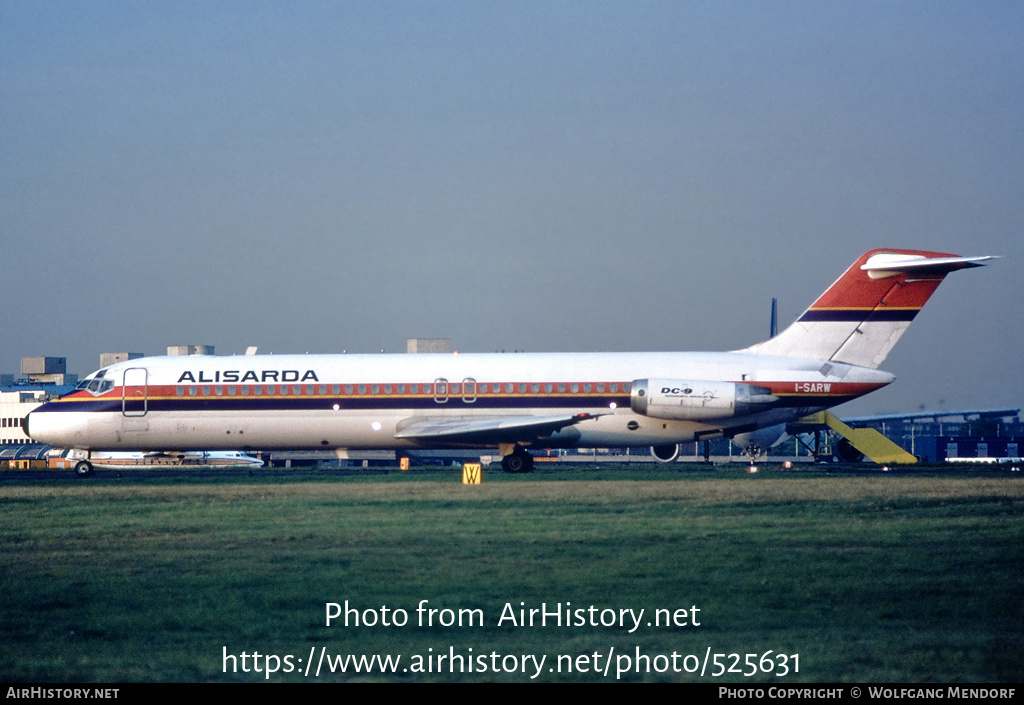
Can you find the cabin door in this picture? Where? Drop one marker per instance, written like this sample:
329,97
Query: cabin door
134,392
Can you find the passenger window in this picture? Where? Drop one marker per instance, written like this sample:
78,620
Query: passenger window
440,390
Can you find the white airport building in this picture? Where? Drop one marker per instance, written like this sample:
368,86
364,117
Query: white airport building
41,378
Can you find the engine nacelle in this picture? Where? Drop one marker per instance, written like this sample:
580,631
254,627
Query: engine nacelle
698,400
666,453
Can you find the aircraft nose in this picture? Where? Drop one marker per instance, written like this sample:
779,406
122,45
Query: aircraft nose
40,426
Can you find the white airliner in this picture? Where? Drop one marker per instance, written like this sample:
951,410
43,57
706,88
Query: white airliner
508,401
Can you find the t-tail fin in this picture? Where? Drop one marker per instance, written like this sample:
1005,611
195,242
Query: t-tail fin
859,318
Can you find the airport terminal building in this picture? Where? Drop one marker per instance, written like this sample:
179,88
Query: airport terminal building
42,378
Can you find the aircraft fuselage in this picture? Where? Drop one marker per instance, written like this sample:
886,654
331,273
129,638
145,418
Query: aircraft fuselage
366,401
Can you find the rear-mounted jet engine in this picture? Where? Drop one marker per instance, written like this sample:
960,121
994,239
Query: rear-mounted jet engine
698,400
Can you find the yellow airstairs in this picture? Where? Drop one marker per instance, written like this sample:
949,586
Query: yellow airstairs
866,440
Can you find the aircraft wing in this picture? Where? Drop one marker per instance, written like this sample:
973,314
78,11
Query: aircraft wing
486,429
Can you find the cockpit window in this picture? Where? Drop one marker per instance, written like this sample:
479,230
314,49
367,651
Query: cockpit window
96,386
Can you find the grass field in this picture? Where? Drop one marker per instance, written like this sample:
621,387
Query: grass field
861,578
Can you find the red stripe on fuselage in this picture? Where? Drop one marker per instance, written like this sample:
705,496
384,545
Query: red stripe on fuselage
388,390
820,389
584,391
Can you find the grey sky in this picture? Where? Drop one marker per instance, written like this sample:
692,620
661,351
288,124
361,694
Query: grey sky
320,176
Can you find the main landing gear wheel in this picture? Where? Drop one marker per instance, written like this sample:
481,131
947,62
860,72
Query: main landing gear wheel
517,461
83,468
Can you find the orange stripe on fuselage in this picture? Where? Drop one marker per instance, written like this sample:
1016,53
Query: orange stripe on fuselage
169,392
389,390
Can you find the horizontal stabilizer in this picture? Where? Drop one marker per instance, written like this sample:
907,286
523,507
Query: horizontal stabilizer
889,265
